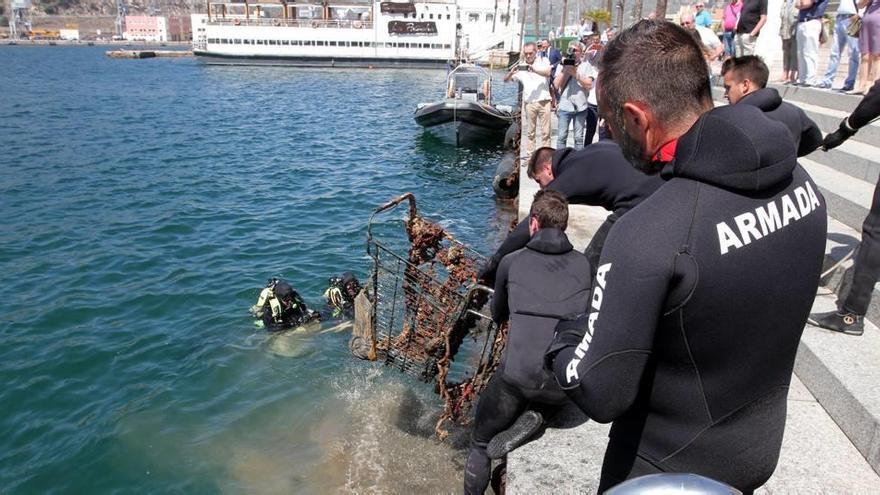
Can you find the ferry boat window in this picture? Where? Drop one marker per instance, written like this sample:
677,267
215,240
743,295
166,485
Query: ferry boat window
490,17
430,16
423,16
285,42
331,43
319,43
447,46
505,18
271,42
473,16
448,16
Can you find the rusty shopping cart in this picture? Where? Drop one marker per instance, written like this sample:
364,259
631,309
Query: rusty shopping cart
428,313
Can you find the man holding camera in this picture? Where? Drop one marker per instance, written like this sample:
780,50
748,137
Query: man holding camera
574,81
532,72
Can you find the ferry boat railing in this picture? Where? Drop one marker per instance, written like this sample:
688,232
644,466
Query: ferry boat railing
297,23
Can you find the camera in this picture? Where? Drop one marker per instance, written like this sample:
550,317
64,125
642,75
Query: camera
523,67
570,58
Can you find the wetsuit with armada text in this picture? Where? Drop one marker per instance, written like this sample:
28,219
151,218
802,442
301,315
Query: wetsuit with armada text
598,175
699,303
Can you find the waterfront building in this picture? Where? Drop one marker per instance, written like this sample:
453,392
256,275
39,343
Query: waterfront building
145,28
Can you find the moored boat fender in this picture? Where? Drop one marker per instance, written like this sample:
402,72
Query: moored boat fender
506,180
511,137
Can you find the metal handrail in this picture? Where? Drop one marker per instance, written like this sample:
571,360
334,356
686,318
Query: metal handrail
301,23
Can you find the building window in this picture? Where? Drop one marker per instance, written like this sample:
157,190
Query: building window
473,17
490,17
430,16
448,16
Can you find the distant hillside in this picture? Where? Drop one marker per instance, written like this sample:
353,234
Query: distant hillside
107,7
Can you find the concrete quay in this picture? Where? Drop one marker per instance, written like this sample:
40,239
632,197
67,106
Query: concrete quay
832,435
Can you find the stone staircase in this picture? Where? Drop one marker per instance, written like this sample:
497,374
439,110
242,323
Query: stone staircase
832,437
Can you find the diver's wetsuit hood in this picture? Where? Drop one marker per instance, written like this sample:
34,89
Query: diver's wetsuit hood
283,290
767,99
752,157
558,157
550,241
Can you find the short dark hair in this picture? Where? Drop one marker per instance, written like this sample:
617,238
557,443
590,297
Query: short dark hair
658,63
550,208
539,157
751,67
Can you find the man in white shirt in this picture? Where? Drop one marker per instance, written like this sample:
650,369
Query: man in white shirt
708,38
532,72
574,80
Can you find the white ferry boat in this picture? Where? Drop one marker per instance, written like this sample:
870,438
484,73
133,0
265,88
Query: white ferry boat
379,34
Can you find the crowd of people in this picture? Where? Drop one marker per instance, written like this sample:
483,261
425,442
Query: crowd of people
681,323
802,31
559,83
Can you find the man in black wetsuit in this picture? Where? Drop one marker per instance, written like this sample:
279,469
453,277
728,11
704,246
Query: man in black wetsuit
703,290
598,175
849,318
745,82
536,286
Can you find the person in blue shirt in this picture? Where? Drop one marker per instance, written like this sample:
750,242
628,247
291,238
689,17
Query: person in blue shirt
702,16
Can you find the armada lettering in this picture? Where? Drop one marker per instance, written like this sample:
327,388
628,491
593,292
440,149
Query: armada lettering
580,351
767,218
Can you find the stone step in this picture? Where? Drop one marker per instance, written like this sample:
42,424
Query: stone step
842,371
829,120
839,260
848,199
853,158
833,100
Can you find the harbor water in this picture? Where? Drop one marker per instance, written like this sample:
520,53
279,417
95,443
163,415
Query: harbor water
144,205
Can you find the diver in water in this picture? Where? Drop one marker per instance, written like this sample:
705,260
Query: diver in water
281,307
340,295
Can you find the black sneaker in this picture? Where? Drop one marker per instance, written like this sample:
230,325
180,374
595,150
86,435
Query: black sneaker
522,429
844,322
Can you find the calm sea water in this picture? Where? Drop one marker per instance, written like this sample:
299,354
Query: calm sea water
144,203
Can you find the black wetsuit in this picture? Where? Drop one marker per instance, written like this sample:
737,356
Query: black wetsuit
868,109
806,134
699,304
866,270
536,286
598,175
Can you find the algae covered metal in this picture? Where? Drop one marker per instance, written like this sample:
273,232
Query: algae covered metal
426,315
